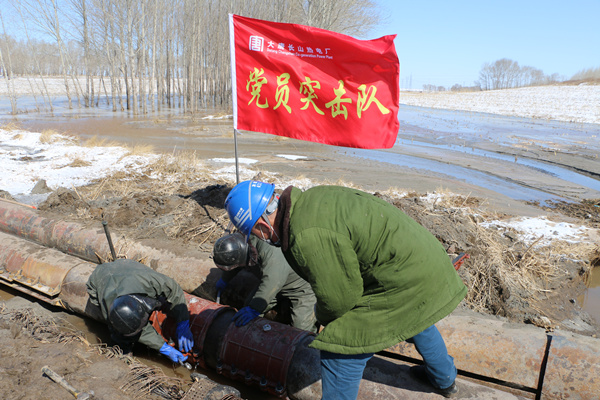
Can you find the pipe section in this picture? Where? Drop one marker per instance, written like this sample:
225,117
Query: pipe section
263,351
490,347
33,269
255,351
573,368
194,274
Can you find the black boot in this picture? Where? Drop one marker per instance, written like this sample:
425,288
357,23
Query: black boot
419,372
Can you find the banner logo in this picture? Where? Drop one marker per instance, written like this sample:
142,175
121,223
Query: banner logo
256,43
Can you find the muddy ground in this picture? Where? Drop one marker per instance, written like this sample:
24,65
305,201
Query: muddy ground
33,337
192,218
505,276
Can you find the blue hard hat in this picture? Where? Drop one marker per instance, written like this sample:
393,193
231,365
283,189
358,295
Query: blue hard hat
247,202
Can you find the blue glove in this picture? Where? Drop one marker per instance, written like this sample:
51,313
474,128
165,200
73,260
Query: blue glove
244,316
173,354
221,285
184,336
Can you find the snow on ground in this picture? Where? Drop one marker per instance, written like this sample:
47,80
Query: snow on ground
539,230
241,160
290,156
542,231
563,103
24,159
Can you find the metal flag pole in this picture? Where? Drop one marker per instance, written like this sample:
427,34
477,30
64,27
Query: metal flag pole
237,166
234,95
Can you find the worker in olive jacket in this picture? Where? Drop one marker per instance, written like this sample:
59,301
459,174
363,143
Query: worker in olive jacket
127,293
277,281
379,277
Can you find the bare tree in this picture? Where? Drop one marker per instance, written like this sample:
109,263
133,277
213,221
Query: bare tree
505,73
352,17
157,51
7,73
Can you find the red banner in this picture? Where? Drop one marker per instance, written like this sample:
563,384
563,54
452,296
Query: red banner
312,84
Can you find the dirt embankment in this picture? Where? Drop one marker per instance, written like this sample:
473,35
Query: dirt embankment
528,283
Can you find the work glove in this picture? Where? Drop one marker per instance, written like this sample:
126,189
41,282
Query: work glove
173,354
221,285
244,316
184,336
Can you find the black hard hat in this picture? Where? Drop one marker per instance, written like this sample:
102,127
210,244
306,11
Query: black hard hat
129,313
230,251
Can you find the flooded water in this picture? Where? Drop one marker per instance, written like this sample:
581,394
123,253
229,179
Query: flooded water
524,159
590,300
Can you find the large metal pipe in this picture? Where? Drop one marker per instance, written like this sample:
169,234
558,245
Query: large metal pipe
259,353
269,355
195,274
480,345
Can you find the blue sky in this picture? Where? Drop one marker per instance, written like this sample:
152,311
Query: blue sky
446,42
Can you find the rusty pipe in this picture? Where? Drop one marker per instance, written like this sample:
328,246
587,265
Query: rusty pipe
274,357
479,344
195,274
74,239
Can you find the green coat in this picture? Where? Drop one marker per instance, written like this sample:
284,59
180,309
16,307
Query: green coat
121,277
380,278
278,278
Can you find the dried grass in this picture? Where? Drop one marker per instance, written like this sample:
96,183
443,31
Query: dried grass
50,136
166,176
531,271
499,267
95,141
180,228
171,171
43,329
77,163
140,150
11,126
141,381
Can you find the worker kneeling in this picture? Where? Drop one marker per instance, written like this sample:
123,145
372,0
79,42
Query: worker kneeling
127,292
278,282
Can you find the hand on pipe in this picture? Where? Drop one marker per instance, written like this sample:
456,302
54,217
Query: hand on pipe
173,354
244,316
184,336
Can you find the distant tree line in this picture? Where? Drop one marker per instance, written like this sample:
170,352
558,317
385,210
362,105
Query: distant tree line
505,74
141,55
587,74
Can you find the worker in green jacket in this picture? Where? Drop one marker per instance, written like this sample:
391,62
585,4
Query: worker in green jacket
379,277
127,293
277,280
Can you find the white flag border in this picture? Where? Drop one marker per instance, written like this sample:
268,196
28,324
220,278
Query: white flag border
233,75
